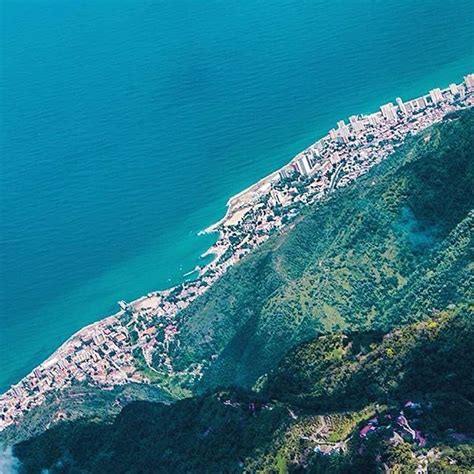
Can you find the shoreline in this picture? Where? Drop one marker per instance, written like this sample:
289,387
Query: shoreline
320,164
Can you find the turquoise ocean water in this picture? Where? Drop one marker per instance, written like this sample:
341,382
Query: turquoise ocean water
127,124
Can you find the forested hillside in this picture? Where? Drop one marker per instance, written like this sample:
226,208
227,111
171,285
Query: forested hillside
382,252
311,413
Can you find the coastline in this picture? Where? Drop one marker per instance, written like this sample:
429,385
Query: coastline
234,201
310,162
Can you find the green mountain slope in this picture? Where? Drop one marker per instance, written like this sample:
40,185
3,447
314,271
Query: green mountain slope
352,263
318,399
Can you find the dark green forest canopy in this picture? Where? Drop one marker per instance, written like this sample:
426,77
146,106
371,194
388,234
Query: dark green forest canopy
339,376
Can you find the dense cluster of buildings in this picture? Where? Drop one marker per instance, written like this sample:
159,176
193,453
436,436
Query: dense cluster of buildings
135,344
364,138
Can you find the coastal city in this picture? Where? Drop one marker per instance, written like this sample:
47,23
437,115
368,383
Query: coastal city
134,345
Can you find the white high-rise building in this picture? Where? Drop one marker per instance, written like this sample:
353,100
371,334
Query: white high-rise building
343,131
358,126
302,164
286,172
353,119
420,103
374,119
469,81
388,111
453,88
344,134
436,95
401,106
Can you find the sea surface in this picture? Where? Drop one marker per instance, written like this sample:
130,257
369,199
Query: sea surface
126,125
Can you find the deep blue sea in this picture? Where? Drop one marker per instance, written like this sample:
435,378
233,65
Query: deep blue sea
127,124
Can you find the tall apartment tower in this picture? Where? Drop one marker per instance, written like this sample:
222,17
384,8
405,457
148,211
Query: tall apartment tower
401,106
303,165
453,88
436,95
388,111
469,81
